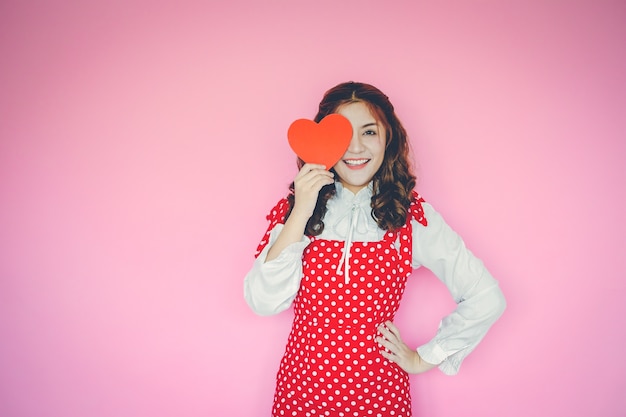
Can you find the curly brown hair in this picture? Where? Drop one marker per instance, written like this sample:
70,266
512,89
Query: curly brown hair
394,181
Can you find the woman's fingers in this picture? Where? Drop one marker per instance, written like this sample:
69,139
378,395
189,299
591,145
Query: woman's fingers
313,182
308,183
310,167
390,332
392,328
311,174
394,349
309,170
388,355
389,339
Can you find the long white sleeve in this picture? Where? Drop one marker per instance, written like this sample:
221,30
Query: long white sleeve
480,301
270,287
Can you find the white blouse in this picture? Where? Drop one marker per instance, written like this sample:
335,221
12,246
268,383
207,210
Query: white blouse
270,287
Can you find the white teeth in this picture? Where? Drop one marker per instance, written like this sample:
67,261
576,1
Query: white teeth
355,161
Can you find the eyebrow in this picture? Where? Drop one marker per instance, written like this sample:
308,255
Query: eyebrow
369,124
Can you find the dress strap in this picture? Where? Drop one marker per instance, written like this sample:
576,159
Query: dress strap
275,216
404,235
416,210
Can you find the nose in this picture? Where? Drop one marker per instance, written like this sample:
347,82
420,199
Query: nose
356,146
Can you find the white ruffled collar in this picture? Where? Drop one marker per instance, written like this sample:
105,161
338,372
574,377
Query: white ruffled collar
363,196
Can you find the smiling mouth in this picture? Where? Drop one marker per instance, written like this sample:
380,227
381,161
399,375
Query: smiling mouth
355,162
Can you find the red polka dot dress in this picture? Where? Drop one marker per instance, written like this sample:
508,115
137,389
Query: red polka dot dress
332,365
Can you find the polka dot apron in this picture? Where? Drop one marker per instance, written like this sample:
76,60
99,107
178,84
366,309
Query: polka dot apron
332,365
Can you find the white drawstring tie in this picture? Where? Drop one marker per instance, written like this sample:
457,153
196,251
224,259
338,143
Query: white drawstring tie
345,257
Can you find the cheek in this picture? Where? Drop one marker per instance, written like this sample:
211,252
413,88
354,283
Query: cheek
379,148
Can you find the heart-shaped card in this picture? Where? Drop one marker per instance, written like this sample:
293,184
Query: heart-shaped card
320,143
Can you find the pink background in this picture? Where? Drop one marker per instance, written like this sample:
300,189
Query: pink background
143,142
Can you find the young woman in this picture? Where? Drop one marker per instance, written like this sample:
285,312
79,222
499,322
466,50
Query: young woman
339,248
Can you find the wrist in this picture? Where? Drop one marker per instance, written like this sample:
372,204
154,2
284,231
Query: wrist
423,366
300,215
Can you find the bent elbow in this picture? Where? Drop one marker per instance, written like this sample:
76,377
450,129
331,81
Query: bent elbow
264,304
262,308
499,304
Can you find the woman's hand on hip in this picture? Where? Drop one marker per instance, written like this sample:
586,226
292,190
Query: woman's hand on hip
396,351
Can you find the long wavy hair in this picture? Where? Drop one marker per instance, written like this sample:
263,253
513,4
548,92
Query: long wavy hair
394,181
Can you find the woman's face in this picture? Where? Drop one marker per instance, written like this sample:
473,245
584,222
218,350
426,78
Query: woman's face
367,148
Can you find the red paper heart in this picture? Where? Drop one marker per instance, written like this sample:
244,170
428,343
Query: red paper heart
320,143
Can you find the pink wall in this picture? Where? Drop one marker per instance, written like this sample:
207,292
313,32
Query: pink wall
142,142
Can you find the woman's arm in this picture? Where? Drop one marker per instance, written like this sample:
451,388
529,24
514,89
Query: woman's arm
274,280
308,183
271,286
480,301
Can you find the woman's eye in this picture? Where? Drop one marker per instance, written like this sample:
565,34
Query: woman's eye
369,132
